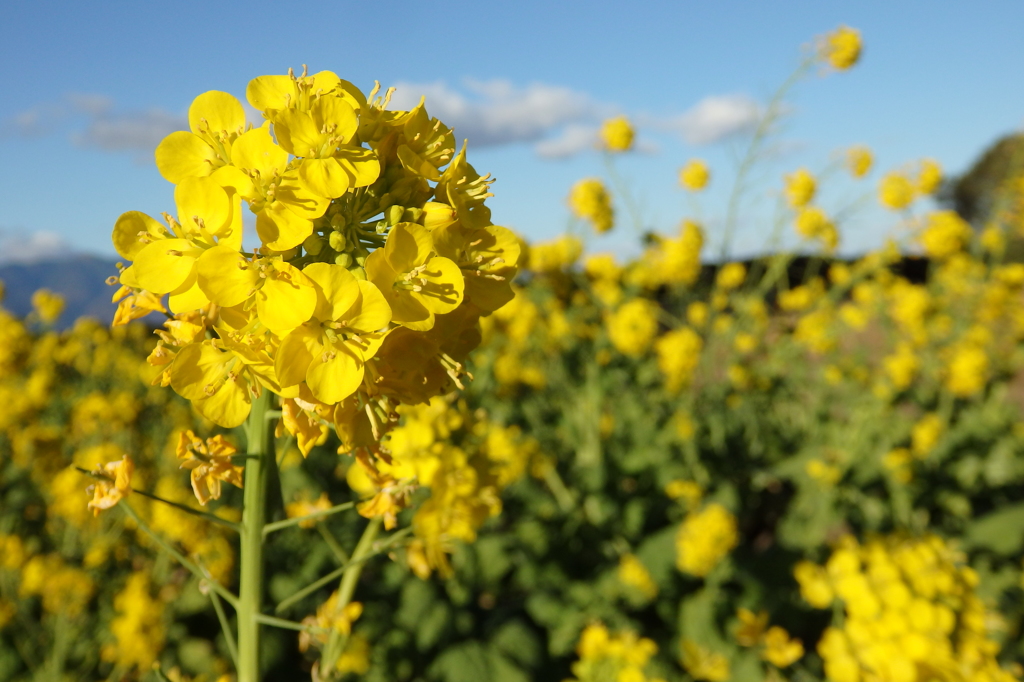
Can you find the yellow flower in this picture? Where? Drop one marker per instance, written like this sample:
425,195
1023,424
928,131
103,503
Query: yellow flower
305,508
555,255
779,649
730,276
812,223
114,484
416,284
704,538
967,371
47,305
704,664
589,199
751,627
617,134
694,175
632,327
859,160
926,434
678,356
945,234
841,48
815,587
138,626
210,464
929,177
633,573
896,191
688,491
800,188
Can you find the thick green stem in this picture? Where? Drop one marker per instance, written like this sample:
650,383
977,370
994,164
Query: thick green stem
336,643
250,592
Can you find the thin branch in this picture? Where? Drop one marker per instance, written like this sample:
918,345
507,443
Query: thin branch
313,587
226,627
182,559
286,624
278,525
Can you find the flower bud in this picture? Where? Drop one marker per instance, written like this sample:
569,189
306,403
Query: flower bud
314,244
437,215
394,214
344,260
338,242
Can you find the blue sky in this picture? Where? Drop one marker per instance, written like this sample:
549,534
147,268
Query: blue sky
90,87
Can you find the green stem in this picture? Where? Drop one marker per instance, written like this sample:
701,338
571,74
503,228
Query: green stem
287,523
250,592
225,626
364,548
332,542
285,624
164,545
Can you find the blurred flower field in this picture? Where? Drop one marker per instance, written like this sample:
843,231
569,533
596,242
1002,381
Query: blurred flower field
396,442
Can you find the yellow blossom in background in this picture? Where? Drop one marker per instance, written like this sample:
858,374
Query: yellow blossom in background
780,649
632,327
895,191
812,223
678,354
968,370
945,234
704,538
730,276
634,574
751,627
305,508
47,305
554,255
926,434
703,663
841,48
929,177
138,627
814,584
859,160
800,188
589,199
621,657
694,175
617,134
687,492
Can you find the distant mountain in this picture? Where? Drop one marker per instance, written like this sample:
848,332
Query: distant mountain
80,280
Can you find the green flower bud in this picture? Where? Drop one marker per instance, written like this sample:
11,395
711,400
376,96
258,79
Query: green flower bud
338,242
314,244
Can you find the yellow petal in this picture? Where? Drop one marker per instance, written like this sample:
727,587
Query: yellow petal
286,299
216,111
127,230
197,370
338,290
183,155
371,311
233,179
325,177
280,229
407,246
360,164
128,279
229,406
187,297
444,288
162,266
297,134
270,92
256,150
226,276
298,198
202,199
335,373
335,114
295,355
417,164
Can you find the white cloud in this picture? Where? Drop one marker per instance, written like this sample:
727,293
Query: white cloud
27,248
138,131
714,118
104,128
574,138
497,112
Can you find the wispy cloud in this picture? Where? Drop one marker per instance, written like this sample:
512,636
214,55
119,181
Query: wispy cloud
94,121
574,139
712,119
497,112
31,247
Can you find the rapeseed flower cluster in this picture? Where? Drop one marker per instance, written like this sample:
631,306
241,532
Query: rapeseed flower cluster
911,613
615,657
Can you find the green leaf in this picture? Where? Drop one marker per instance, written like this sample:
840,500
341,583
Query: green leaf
1001,531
